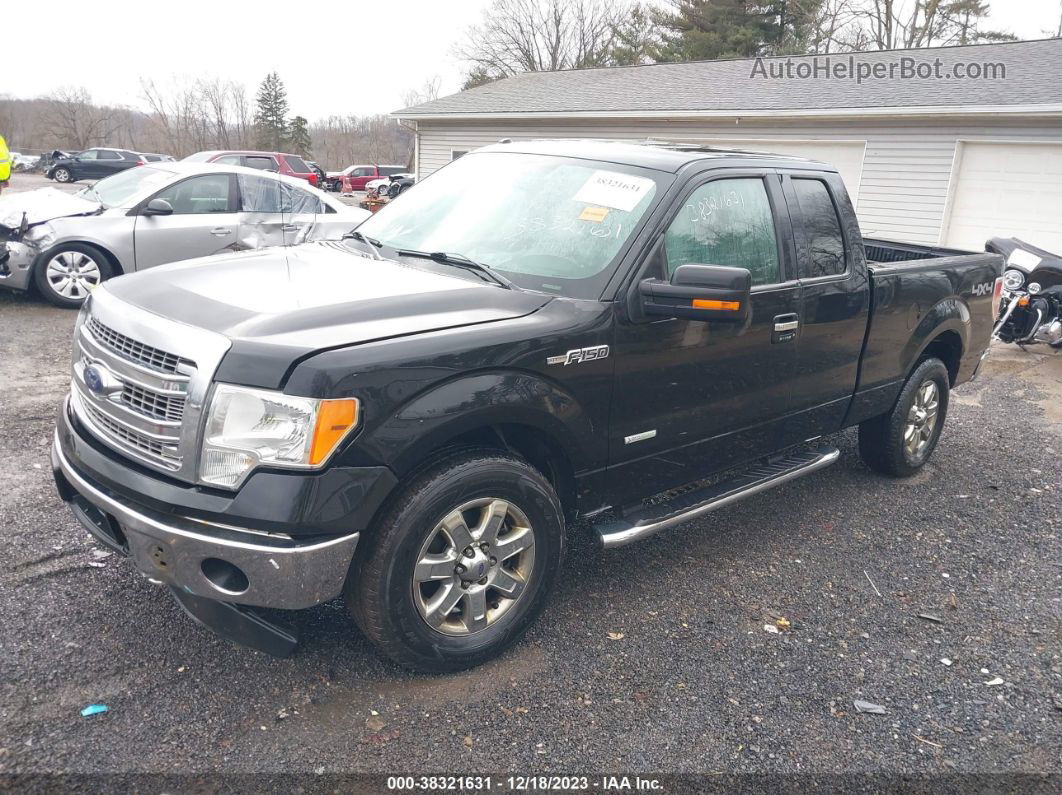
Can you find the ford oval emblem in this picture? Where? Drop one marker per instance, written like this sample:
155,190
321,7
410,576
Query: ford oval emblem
94,379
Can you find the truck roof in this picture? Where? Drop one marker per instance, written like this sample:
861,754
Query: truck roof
659,155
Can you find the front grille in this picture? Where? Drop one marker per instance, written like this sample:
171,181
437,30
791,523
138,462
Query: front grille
153,404
141,405
165,454
154,358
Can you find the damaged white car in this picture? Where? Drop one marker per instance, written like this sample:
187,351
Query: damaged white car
66,244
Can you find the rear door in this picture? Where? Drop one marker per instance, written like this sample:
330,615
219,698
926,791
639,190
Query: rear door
204,221
835,302
265,215
693,397
110,162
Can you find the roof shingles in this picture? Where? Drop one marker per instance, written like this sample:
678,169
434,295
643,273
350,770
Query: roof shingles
1033,77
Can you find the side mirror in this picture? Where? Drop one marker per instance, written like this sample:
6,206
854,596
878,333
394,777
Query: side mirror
700,292
157,207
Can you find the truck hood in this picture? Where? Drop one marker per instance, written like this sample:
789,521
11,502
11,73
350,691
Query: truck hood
278,305
41,205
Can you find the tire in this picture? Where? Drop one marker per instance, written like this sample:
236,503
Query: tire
899,443
84,268
392,607
62,175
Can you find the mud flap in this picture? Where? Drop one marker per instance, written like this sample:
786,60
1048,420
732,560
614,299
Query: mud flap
242,625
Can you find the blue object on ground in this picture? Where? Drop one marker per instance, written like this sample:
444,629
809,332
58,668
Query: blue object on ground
94,709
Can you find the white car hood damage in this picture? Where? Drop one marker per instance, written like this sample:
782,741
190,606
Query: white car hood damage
42,205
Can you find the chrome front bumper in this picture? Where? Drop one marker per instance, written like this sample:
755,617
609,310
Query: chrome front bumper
208,560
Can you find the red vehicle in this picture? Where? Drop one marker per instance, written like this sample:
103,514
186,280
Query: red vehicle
359,175
280,162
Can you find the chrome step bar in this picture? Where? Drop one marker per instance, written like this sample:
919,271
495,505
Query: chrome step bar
620,532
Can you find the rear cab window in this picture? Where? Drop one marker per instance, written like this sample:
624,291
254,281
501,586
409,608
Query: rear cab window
820,227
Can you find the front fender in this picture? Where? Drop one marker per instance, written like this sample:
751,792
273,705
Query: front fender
474,401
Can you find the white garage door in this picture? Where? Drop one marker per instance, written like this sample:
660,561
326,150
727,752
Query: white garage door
1007,190
845,156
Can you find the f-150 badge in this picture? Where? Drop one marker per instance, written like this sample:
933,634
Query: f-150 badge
577,355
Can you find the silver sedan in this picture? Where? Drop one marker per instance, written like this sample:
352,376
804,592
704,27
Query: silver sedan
150,215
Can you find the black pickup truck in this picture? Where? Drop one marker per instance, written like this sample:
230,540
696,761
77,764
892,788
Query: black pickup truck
627,335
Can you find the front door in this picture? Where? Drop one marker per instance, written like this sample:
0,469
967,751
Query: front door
694,397
204,221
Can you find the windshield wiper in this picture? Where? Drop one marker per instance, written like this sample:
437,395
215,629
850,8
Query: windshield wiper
461,261
376,244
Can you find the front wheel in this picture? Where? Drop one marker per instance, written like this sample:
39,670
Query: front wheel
899,443
63,175
69,272
461,564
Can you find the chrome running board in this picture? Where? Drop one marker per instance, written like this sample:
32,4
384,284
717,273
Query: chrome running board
651,520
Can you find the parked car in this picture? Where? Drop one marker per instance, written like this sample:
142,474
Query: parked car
384,185
152,157
279,162
68,244
24,162
322,180
598,330
95,163
360,176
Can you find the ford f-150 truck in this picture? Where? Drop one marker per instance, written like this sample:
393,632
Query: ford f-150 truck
626,335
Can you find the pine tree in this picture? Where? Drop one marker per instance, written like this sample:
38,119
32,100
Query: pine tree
271,128
299,136
710,29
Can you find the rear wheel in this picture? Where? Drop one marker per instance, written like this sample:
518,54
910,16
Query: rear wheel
461,564
69,272
899,443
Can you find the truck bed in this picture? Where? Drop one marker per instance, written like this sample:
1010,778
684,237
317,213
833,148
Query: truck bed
886,251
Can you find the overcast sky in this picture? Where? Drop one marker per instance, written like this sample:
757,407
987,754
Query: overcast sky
357,56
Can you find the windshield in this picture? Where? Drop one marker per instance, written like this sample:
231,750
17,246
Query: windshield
115,190
553,224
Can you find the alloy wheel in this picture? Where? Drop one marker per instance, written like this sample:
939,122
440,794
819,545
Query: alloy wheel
921,419
474,566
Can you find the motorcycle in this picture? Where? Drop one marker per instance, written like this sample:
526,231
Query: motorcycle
1030,309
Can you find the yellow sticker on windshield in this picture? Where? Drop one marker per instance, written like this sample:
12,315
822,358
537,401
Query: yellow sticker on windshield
595,214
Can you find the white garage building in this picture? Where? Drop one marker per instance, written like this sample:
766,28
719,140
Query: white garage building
945,160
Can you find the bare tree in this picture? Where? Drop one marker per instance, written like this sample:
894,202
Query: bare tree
542,35
74,118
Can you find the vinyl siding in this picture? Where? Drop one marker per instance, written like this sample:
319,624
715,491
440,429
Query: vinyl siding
903,192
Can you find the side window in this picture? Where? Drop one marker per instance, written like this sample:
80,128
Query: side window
260,162
107,154
88,154
386,171
821,228
259,195
364,171
297,164
726,222
206,194
229,160
456,153
295,200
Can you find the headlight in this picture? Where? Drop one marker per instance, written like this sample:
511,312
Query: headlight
1012,279
250,427
1034,288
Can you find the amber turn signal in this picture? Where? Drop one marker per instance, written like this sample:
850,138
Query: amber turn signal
699,303
334,419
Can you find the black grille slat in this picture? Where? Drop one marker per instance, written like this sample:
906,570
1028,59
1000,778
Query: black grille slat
154,358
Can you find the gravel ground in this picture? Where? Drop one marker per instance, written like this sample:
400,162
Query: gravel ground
651,658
